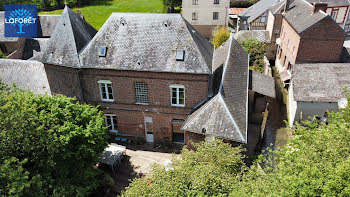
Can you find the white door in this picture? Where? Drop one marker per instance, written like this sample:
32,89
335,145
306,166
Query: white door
149,129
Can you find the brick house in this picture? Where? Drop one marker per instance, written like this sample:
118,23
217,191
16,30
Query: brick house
308,35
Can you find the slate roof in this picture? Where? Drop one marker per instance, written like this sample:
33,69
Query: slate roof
300,15
33,47
321,82
71,34
332,3
254,11
46,25
225,115
262,84
29,75
261,35
148,42
278,7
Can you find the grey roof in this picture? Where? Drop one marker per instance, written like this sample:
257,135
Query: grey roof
148,42
300,15
278,7
71,34
225,115
332,3
261,35
221,54
29,75
258,9
262,84
321,82
46,25
34,47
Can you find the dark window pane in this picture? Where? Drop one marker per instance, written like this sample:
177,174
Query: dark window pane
173,101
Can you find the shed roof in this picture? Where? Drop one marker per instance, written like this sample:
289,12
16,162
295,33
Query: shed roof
254,11
148,42
28,75
262,84
322,82
261,35
71,34
225,115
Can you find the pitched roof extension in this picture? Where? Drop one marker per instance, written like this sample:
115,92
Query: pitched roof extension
322,82
71,34
28,75
254,11
148,42
225,115
261,35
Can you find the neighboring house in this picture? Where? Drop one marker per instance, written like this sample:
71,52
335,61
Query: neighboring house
316,88
338,10
206,15
15,46
256,16
308,35
233,17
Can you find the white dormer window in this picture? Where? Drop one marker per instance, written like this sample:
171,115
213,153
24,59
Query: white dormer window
102,51
106,91
180,55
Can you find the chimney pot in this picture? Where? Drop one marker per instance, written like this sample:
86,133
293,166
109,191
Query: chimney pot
319,6
287,5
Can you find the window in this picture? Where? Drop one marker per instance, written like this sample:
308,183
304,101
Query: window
263,19
334,15
194,16
111,122
215,15
288,44
177,95
194,2
216,1
102,51
106,91
180,55
141,92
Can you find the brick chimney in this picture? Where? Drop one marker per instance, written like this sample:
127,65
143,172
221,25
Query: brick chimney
287,5
319,6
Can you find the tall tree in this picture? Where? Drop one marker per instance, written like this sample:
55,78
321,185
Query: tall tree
172,3
48,144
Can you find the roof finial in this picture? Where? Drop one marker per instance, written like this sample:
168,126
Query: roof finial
65,3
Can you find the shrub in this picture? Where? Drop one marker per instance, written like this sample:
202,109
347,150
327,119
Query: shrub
220,37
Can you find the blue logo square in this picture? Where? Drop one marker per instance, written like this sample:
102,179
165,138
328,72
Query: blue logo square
20,20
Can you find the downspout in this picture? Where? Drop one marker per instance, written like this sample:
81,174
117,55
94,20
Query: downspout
80,87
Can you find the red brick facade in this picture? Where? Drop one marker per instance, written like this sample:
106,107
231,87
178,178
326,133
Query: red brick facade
130,116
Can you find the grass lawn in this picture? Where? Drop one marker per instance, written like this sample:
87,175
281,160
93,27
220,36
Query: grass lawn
98,11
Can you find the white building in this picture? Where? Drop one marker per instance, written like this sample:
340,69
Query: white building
206,15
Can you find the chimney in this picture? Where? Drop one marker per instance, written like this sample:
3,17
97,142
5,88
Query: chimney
287,5
319,6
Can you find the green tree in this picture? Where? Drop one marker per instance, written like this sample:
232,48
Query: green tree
220,37
211,170
172,3
48,144
256,50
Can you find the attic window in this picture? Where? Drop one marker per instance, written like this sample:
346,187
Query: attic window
180,55
102,51
165,24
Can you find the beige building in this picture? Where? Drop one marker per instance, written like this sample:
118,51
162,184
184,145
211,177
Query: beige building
206,15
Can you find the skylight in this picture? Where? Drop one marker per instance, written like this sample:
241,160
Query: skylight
180,55
102,51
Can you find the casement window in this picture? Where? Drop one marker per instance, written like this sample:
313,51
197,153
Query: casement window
141,92
215,15
194,2
106,91
111,122
263,19
177,95
334,14
216,1
180,55
194,16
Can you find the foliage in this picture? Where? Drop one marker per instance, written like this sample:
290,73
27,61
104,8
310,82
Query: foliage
98,11
172,3
48,145
240,4
220,37
2,54
210,170
256,50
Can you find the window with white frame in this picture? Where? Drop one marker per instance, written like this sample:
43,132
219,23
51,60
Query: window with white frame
194,2
141,92
111,122
106,91
194,16
177,95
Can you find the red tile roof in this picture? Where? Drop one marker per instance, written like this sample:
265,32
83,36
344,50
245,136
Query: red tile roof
236,10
